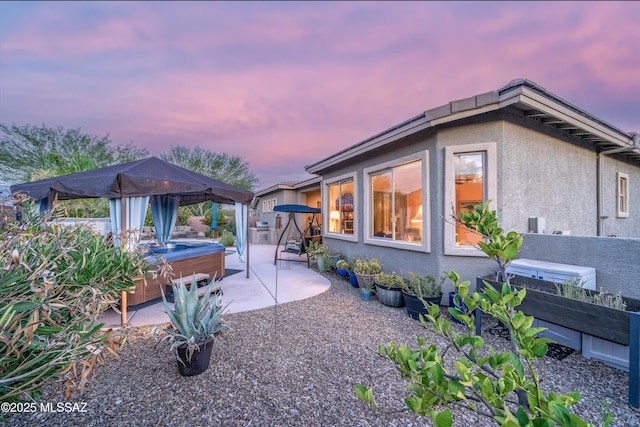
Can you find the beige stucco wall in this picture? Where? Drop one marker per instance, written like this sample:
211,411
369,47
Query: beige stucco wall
542,176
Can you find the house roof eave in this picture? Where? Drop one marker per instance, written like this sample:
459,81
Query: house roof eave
408,127
535,102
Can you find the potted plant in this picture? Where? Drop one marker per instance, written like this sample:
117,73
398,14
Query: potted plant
320,251
334,257
421,290
343,267
352,276
368,290
195,321
389,289
365,270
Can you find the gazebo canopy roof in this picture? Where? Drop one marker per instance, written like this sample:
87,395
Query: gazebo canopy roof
146,177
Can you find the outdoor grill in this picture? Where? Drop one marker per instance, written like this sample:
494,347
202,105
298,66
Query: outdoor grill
262,226
261,233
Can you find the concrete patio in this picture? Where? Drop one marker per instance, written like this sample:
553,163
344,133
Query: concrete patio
267,283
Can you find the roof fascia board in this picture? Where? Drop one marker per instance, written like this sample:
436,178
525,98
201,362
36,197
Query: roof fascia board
399,133
542,103
465,113
273,188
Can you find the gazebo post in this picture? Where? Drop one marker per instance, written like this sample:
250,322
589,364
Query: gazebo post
123,247
246,239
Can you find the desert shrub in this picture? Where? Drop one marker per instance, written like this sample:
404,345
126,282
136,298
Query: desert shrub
54,283
227,239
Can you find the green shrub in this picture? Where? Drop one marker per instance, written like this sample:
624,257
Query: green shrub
54,283
227,239
226,221
504,388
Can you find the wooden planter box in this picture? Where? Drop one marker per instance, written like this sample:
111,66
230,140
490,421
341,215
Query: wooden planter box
594,321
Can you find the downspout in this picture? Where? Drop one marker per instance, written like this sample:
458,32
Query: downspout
635,145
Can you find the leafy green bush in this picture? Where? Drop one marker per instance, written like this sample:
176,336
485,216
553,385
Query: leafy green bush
227,239
54,283
226,221
505,388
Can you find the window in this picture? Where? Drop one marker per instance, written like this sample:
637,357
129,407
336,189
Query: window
268,205
469,190
341,207
622,209
397,203
470,179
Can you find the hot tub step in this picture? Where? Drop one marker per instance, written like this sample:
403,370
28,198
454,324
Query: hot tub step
202,280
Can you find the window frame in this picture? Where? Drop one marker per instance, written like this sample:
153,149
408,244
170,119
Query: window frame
622,211
425,245
269,204
490,175
326,207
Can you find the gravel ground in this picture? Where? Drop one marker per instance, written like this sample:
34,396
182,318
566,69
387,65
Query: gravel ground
297,365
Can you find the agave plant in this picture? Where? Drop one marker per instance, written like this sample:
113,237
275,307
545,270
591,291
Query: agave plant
194,318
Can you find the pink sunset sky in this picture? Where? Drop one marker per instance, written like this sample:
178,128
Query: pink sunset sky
285,84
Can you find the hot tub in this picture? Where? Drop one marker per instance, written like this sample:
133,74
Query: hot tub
185,258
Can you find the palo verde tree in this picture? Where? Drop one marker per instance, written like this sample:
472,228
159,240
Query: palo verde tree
230,169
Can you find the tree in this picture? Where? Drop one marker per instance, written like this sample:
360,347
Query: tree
480,379
28,153
233,170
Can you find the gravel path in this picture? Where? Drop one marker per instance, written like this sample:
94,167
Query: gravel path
297,365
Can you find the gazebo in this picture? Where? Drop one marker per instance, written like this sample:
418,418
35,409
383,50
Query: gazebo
131,186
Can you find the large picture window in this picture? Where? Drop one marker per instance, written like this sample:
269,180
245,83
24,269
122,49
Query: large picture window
341,206
396,195
470,178
396,208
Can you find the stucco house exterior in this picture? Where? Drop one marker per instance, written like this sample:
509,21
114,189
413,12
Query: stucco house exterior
547,165
306,192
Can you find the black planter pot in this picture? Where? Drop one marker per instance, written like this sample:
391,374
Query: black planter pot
415,306
389,296
199,359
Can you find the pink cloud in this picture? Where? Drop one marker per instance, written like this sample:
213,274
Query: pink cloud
276,81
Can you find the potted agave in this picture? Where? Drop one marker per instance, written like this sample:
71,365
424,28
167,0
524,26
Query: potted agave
367,291
389,289
366,270
421,290
195,322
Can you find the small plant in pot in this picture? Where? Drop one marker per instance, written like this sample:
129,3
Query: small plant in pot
389,289
343,267
367,291
195,322
334,257
366,270
321,253
420,291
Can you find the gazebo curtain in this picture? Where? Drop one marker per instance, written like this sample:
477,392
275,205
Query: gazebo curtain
41,205
164,209
241,229
136,210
